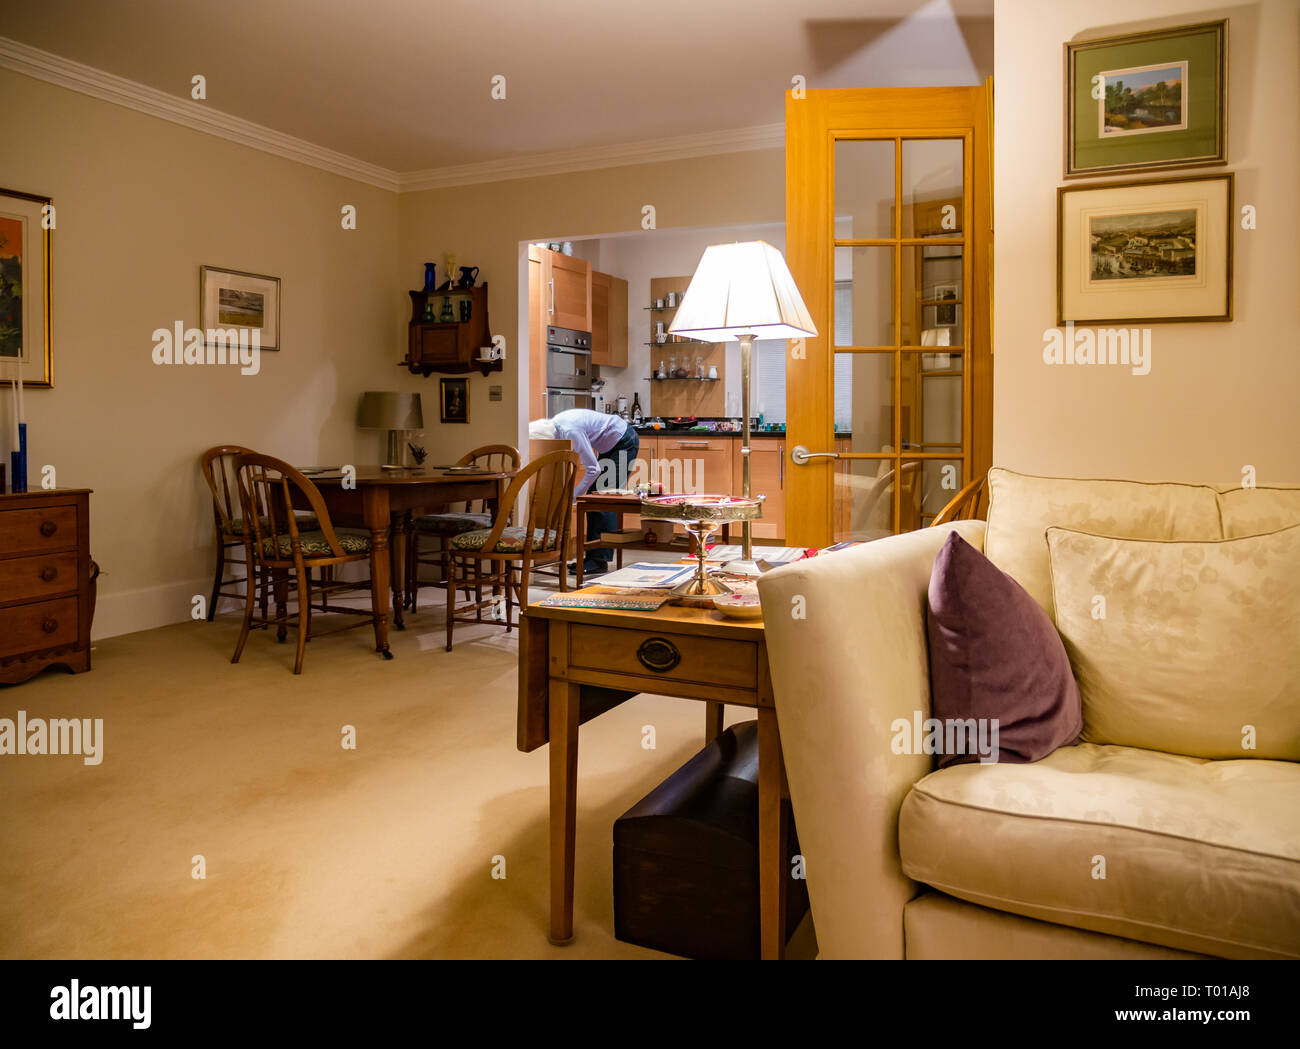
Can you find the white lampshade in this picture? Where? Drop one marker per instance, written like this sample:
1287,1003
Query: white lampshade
742,289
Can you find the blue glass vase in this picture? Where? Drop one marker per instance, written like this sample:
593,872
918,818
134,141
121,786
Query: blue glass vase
430,278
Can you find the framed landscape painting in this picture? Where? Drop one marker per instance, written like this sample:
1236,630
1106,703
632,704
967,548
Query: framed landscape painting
26,332
1145,252
1146,101
234,299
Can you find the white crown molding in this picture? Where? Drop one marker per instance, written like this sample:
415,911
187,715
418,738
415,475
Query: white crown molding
566,161
199,116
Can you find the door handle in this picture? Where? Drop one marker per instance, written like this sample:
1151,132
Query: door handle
692,444
551,282
800,456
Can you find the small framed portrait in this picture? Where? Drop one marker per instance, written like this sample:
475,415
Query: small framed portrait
454,401
242,301
1145,251
1146,101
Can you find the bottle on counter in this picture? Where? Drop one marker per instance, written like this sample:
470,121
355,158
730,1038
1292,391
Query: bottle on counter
637,417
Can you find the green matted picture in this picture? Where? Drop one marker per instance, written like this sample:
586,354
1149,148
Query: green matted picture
1146,101
1145,251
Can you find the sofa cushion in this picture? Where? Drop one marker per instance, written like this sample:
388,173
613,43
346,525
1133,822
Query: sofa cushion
995,659
1252,511
1197,855
1190,648
1022,507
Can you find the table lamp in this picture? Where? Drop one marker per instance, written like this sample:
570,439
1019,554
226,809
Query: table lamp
393,412
742,292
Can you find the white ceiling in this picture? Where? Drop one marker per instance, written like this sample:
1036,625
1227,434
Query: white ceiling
405,84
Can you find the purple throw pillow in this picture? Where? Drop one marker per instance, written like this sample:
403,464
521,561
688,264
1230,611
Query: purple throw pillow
996,658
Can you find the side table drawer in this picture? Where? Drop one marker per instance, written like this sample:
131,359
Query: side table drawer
669,657
44,575
35,627
30,531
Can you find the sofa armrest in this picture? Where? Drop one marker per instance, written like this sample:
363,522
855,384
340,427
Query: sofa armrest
842,674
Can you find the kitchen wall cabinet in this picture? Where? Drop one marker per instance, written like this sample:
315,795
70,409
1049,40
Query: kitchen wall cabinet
566,290
608,320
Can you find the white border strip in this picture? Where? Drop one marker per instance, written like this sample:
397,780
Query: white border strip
54,69
198,116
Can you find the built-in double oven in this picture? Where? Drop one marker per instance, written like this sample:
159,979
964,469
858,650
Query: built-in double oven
568,370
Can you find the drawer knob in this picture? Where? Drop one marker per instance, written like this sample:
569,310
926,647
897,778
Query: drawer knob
48,573
658,654
50,625
48,528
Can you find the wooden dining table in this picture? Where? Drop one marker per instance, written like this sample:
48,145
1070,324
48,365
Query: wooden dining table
383,503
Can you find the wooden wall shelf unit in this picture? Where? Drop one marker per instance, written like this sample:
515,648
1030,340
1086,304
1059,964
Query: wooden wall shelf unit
449,347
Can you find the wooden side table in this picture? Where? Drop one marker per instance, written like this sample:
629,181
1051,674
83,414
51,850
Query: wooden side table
575,664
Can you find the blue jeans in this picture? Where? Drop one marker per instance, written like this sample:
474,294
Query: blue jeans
620,459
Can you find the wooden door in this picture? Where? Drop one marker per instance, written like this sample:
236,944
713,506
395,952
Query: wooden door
537,320
599,318
889,238
566,290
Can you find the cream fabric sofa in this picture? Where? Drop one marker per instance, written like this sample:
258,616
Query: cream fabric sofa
1201,857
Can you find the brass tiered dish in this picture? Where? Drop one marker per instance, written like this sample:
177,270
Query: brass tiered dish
701,516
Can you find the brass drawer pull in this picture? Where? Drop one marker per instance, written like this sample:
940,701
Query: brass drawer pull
48,573
658,654
50,625
48,528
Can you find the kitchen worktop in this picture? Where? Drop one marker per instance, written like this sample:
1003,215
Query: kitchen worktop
644,431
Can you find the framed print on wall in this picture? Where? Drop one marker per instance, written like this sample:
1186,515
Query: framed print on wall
454,401
26,327
234,299
1145,252
1146,101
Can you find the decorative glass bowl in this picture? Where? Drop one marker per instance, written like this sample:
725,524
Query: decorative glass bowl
701,515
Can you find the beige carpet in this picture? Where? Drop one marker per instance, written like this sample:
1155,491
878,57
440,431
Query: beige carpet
311,851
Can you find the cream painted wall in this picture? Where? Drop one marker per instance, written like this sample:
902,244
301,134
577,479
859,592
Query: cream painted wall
1219,396
485,224
142,203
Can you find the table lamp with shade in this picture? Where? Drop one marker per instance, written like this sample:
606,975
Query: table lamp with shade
394,412
742,292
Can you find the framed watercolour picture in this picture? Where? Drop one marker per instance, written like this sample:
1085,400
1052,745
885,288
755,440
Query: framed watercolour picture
1146,101
455,401
243,301
1144,252
26,331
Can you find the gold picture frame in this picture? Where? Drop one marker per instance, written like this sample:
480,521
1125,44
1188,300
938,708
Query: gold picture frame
453,400
1145,251
26,288
1185,126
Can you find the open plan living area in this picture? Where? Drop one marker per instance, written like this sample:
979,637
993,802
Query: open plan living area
418,418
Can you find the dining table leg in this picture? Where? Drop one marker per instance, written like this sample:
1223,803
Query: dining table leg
401,533
376,513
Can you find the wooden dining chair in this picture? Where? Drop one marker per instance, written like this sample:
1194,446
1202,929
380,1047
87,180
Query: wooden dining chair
284,554
508,548
217,465
964,506
497,458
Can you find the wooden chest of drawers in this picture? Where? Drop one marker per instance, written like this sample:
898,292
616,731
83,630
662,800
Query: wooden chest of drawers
45,584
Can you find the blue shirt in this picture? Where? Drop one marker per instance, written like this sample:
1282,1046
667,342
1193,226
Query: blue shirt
591,433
